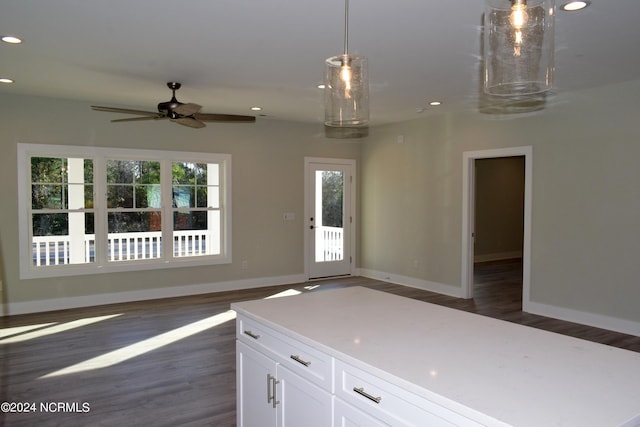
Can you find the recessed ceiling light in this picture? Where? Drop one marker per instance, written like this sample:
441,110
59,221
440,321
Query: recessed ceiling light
575,5
11,39
435,103
5,80
256,108
321,86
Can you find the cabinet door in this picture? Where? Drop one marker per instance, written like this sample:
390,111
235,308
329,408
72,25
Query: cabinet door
348,416
301,402
254,388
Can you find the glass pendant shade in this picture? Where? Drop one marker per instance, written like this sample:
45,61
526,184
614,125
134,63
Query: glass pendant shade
518,46
346,92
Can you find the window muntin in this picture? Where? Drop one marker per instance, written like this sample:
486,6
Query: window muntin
143,209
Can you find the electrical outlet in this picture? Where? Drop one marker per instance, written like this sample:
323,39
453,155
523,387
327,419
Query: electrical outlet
245,264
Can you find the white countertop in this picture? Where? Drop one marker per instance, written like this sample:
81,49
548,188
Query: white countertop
469,363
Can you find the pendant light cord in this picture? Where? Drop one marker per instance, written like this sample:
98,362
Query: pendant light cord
346,27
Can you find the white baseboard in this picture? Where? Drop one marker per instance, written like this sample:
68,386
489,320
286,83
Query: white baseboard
581,317
425,285
584,318
147,294
497,256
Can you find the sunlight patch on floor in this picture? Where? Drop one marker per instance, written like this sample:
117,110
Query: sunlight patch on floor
61,327
7,332
287,293
125,353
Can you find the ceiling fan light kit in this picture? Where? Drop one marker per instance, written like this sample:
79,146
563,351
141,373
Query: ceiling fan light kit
346,87
518,47
184,114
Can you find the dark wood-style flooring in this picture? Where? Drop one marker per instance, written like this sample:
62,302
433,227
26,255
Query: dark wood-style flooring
190,381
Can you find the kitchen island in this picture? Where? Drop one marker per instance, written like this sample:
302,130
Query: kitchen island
356,356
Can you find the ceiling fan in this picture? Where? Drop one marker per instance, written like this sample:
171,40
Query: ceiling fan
184,114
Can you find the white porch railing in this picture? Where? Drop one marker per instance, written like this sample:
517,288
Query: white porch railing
56,250
329,244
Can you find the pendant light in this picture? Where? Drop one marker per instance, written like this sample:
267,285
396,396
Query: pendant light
518,46
346,92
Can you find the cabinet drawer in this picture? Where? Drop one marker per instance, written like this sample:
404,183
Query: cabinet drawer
390,403
346,415
300,358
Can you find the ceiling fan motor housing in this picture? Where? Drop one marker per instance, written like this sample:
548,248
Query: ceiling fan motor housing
169,106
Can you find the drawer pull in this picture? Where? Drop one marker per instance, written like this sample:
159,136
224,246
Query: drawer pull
252,335
361,391
297,359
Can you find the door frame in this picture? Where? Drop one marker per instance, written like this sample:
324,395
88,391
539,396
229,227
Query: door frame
468,215
351,206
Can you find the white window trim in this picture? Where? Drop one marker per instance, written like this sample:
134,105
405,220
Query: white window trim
26,151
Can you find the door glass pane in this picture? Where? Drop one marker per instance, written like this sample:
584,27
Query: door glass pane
329,215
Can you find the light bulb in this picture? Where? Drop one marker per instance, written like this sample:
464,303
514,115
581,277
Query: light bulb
346,76
518,20
519,16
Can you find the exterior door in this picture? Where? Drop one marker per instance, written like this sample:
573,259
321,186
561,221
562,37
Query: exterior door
329,216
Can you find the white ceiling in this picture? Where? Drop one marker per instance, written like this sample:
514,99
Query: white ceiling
231,55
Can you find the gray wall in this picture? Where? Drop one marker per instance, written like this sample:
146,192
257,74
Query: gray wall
267,175
499,208
586,194
586,197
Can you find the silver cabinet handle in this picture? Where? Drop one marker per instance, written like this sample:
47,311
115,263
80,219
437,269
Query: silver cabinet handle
252,335
301,361
361,392
272,390
269,396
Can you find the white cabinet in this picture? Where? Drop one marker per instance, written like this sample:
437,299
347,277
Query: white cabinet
254,372
389,403
348,416
270,393
358,357
302,403
283,382
303,360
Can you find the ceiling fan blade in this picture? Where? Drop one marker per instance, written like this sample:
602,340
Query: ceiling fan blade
206,117
187,109
188,121
139,119
124,111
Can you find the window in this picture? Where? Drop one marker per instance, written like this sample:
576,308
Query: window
99,210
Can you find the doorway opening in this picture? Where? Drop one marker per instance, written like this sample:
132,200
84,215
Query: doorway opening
497,221
498,230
